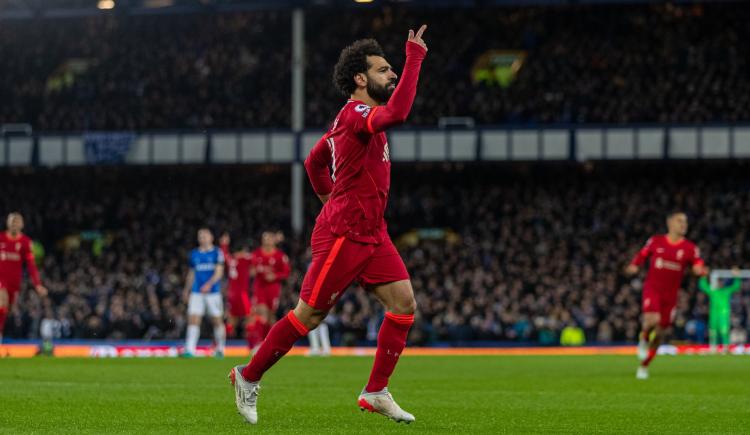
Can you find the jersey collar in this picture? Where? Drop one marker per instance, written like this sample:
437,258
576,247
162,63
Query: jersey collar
11,237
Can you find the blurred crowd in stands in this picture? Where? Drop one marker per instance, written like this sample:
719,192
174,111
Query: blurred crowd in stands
497,252
610,64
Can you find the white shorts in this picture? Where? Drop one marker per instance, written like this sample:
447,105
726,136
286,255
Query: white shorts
201,304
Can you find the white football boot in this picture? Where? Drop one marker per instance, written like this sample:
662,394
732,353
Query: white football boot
642,373
245,395
382,402
642,349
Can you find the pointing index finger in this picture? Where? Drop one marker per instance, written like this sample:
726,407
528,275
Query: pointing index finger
421,30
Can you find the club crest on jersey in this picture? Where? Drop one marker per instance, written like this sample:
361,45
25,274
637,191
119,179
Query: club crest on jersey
364,109
680,253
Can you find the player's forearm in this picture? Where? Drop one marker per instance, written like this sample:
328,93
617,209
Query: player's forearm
216,277
400,103
703,285
637,260
189,282
34,273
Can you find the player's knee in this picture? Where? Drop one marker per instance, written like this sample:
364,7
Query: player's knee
309,316
405,305
311,320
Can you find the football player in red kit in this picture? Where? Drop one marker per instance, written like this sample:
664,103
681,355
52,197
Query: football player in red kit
15,249
349,169
670,256
238,266
270,267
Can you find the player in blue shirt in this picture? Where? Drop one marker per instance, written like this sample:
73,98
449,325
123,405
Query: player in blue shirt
203,292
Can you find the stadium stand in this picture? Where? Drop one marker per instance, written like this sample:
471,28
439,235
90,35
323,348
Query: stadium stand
497,252
584,64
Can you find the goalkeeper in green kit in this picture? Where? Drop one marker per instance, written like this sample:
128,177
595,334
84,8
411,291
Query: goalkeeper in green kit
720,311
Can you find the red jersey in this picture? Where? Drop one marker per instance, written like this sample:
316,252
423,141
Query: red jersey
238,270
352,164
13,252
276,262
668,262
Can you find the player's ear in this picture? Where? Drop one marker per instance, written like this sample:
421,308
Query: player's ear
360,79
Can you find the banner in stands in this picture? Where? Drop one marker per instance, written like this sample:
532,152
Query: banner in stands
107,148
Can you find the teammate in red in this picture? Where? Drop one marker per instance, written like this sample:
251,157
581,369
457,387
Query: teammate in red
269,267
349,169
238,288
670,254
15,248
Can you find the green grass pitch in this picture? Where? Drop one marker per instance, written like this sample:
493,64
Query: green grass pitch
461,394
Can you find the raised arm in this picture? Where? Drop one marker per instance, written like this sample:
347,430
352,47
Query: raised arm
703,285
399,104
734,286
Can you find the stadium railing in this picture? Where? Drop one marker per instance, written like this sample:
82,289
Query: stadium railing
493,143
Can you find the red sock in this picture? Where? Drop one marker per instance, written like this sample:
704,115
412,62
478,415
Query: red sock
280,339
651,355
264,327
3,316
391,342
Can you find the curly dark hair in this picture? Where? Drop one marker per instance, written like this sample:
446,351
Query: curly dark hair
353,60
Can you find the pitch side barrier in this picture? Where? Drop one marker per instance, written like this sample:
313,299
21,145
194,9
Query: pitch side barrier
279,146
103,349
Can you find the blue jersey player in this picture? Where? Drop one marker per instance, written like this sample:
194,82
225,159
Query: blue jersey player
203,291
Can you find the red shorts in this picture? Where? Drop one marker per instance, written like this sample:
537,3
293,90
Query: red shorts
239,303
338,261
268,296
655,301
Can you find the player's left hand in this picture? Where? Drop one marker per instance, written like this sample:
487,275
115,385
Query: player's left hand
417,38
700,270
205,288
41,290
270,276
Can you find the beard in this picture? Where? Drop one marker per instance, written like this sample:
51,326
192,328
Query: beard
380,93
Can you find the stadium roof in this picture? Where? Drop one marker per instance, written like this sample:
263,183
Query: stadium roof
10,9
